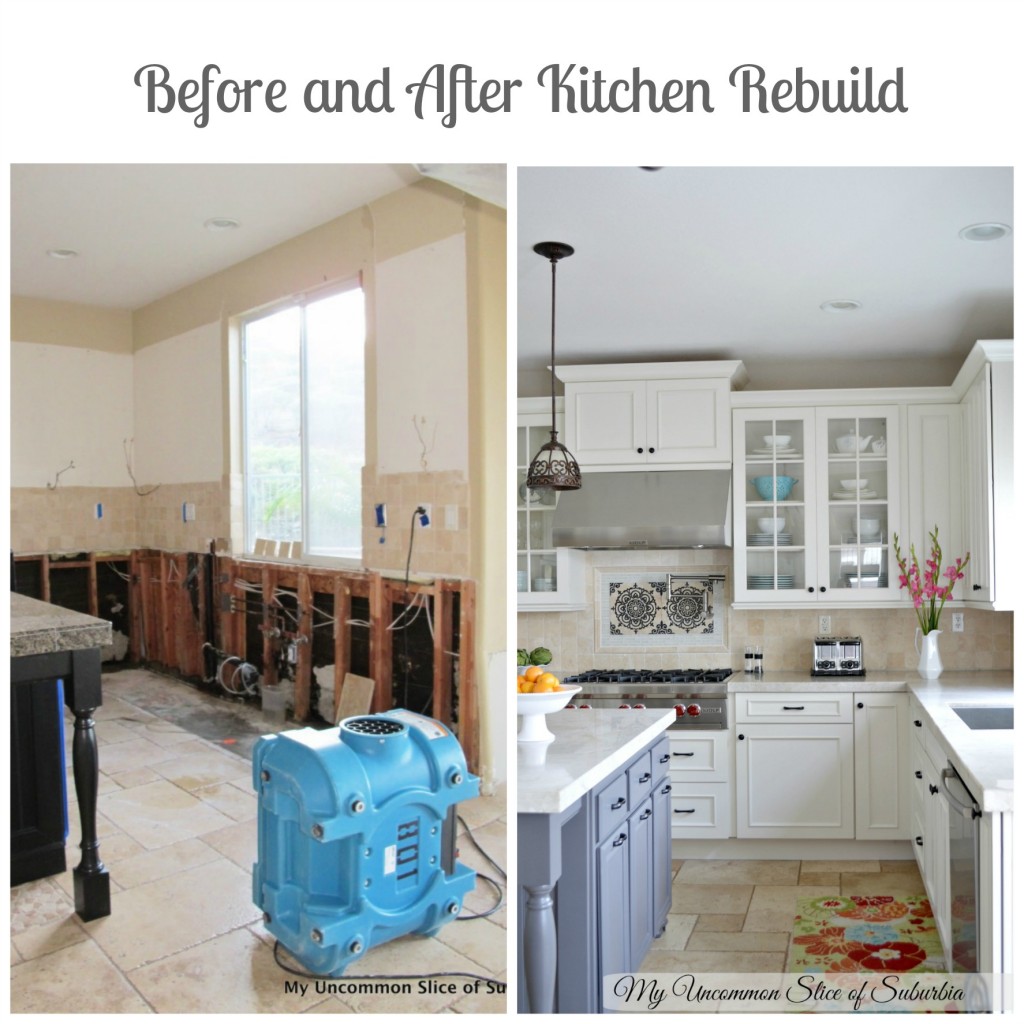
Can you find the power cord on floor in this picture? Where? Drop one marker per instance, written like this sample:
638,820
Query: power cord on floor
433,974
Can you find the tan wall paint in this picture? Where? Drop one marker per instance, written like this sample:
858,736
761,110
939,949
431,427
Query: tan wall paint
44,322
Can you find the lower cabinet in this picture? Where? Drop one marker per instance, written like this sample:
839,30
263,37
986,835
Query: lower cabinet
822,766
634,861
700,769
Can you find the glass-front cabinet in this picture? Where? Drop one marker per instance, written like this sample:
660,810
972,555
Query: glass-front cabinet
816,504
547,578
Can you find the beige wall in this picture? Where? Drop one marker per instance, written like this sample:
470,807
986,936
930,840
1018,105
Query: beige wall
785,636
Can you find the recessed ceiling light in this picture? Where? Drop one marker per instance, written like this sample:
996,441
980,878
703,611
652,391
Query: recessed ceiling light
989,231
841,305
221,224
61,254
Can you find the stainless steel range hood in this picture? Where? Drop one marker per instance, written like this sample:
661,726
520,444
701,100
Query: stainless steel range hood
667,509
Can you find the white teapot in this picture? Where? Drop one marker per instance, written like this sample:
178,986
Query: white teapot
851,442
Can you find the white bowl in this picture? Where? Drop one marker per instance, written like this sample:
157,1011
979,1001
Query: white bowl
771,524
777,440
854,485
869,527
534,706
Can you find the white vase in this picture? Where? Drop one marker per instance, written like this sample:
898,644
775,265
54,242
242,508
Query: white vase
929,665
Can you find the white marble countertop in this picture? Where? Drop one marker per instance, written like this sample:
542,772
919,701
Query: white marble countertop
41,628
586,749
984,757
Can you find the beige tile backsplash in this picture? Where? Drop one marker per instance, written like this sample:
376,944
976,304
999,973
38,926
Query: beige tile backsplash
785,636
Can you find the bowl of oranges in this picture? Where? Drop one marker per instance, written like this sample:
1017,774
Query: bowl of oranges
539,693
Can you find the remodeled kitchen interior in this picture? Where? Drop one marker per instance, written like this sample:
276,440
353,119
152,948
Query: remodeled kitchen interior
258,554
750,399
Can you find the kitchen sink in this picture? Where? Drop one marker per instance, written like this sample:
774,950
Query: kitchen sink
981,717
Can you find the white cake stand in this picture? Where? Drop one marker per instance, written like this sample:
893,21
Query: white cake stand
532,707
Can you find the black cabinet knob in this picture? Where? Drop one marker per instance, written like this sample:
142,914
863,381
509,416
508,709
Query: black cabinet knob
860,703
810,590
741,737
975,586
639,451
919,840
822,589
650,450
917,722
918,775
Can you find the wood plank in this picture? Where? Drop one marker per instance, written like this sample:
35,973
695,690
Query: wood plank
443,629
268,578
135,606
44,577
304,656
469,727
342,633
380,642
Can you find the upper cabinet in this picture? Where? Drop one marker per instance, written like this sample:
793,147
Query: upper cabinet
638,416
987,437
547,578
816,502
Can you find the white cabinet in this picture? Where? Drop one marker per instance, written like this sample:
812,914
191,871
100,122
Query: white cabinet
702,794
816,501
547,578
649,416
881,766
794,766
930,818
987,409
817,765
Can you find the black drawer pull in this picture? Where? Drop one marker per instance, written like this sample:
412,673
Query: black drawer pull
933,789
620,840
919,840
688,810
621,802
646,814
918,775
975,586
786,707
667,789
917,722
663,759
645,778
679,753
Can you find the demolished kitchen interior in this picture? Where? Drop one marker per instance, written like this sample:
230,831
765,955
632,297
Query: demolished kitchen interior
774,383
258,554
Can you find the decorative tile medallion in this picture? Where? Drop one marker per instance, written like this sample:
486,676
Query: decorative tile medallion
652,609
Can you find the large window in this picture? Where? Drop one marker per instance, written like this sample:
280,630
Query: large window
304,443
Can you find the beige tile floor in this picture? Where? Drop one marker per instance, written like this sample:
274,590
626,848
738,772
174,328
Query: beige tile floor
177,827
737,915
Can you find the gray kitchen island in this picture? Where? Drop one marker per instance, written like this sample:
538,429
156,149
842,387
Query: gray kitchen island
55,655
594,853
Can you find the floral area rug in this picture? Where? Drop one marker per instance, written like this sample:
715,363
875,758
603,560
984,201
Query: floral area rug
864,934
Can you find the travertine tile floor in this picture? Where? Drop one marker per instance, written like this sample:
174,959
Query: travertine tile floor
178,834
737,915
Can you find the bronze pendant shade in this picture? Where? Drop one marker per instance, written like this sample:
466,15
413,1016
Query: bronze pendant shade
553,467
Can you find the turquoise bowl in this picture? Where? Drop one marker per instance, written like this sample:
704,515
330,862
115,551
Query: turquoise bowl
777,487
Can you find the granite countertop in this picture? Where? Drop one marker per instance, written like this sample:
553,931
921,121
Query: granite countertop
586,749
41,628
984,757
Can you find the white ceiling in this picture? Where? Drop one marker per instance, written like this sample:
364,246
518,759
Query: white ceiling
734,263
138,228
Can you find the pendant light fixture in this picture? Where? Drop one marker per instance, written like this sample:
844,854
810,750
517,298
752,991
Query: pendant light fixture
553,467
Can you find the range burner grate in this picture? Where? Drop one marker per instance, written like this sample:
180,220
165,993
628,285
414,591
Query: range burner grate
654,677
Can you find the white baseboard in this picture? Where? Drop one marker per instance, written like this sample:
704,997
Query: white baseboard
792,849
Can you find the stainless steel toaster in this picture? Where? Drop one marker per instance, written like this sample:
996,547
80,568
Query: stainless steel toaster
838,656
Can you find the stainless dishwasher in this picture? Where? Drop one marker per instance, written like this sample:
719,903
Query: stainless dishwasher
964,853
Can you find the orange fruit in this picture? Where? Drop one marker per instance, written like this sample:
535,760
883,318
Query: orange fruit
548,679
532,673
526,686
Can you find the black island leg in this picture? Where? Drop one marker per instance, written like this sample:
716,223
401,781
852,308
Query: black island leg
82,696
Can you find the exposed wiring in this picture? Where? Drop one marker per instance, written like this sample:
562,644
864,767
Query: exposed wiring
129,452
56,479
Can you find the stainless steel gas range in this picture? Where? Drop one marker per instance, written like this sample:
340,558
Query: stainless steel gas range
698,695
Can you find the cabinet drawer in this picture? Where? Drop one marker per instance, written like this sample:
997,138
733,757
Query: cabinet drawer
701,811
641,779
612,805
661,758
700,756
787,707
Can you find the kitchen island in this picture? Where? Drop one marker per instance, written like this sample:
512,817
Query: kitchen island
55,651
594,853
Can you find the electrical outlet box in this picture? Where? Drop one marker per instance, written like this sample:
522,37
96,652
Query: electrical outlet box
824,624
188,512
98,510
426,517
958,622
451,517
380,511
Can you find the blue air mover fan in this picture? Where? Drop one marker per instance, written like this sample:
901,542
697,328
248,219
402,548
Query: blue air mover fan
357,835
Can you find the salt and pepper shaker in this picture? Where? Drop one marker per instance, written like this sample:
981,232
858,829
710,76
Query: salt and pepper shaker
758,662
748,659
